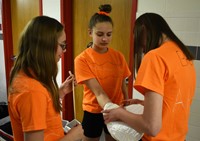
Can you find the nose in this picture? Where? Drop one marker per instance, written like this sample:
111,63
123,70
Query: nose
104,38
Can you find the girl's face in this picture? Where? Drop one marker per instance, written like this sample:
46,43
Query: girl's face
101,35
61,46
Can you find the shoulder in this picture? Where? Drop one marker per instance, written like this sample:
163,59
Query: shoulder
166,48
24,84
164,52
83,54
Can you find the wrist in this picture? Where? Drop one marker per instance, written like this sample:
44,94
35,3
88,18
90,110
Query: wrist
110,105
61,93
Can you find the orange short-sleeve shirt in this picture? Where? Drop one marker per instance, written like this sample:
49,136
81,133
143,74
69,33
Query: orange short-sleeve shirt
110,69
31,109
167,71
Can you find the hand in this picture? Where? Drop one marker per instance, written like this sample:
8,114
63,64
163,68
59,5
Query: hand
73,82
112,114
67,86
132,101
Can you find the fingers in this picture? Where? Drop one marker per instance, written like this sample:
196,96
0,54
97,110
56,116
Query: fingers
72,78
70,73
131,101
105,116
106,119
126,102
105,111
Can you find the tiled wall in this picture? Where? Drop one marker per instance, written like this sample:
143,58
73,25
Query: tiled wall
194,123
183,16
195,51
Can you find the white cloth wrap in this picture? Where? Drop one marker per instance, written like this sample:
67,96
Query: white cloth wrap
120,131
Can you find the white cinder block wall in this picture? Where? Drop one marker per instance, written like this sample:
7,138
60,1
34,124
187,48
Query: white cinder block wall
183,16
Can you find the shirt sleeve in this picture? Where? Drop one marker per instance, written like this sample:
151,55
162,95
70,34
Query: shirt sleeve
82,70
151,74
33,108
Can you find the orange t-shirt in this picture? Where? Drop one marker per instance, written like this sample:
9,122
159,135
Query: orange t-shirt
166,71
31,108
110,69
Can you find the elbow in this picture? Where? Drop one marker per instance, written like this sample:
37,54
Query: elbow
153,130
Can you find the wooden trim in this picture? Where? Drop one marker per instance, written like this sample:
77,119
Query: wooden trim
131,60
40,7
67,60
7,37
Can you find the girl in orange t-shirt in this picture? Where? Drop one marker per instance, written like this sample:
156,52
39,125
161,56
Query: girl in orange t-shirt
167,79
103,72
34,97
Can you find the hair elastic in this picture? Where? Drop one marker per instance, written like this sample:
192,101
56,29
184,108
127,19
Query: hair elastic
103,13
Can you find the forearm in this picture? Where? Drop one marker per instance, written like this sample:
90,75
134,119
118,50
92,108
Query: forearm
100,94
150,122
75,134
115,113
102,99
133,120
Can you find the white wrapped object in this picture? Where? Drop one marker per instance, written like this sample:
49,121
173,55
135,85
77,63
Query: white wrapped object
120,131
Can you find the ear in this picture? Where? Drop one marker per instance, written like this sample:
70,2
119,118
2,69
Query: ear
90,32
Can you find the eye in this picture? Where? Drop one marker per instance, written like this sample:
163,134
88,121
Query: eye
99,34
109,34
63,46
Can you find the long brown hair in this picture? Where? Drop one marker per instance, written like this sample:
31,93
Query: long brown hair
148,31
36,56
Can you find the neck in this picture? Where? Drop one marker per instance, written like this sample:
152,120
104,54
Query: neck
164,39
99,49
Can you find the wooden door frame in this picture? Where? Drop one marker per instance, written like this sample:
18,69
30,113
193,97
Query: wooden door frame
131,53
66,7
7,37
